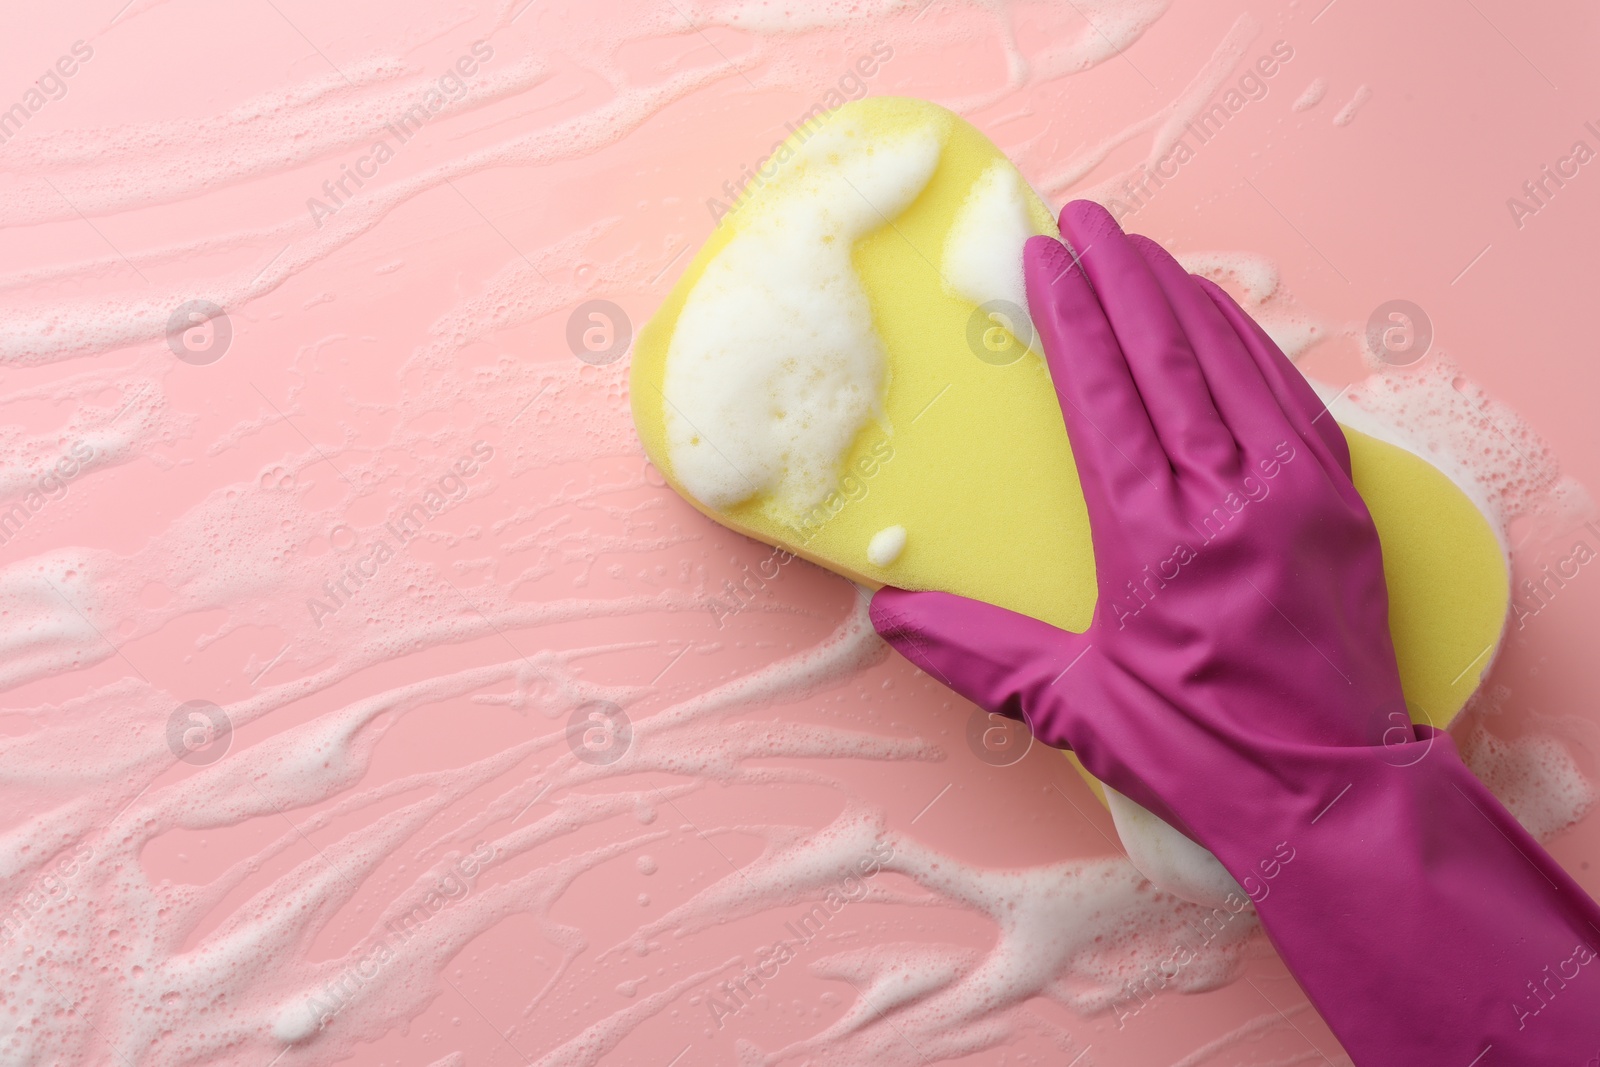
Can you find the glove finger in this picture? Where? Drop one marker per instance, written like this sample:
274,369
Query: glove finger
1244,400
1299,401
1118,456
1004,662
1158,352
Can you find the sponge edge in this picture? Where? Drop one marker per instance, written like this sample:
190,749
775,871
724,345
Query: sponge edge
970,456
1448,577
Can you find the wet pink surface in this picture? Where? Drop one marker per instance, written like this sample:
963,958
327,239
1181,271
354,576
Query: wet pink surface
373,348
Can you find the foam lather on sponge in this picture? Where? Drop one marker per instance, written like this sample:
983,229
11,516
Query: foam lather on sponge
846,370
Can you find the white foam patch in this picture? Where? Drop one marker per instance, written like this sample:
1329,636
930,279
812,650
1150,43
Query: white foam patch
1480,443
886,545
982,258
1535,777
1259,288
1255,274
1091,936
763,16
1535,774
775,366
1347,114
1311,96
1167,125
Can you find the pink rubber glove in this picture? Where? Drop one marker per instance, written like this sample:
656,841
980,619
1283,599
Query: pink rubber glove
1239,681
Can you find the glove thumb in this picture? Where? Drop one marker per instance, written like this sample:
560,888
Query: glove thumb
1001,661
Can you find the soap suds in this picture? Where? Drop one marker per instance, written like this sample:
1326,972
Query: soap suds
1347,114
1166,125
1535,777
1254,280
1311,96
982,258
774,365
886,545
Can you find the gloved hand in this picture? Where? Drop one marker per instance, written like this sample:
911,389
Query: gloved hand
1238,678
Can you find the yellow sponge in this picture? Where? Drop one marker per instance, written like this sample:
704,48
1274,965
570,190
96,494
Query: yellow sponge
962,479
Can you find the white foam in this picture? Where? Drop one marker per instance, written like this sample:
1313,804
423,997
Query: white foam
982,258
1254,273
1261,293
774,366
886,545
1535,777
1311,96
1167,125
1347,113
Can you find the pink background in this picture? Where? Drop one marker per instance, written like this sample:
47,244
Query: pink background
431,311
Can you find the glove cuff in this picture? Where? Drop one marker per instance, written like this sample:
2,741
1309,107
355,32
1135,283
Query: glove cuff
1411,868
